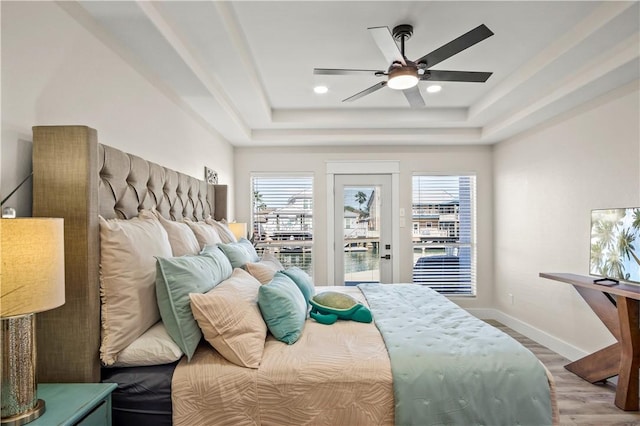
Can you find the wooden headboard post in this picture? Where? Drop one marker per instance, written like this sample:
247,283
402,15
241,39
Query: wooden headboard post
64,181
76,178
221,199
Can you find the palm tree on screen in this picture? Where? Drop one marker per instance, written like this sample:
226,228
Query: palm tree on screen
604,231
597,252
636,220
613,265
625,245
627,237
612,242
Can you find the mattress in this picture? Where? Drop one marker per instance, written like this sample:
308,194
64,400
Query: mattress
143,395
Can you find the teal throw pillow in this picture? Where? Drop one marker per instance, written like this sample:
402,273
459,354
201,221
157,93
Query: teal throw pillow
283,308
303,281
176,277
226,269
240,253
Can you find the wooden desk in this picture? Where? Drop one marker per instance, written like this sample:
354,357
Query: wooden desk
618,308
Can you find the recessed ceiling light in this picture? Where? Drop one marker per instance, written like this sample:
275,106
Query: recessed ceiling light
434,88
321,89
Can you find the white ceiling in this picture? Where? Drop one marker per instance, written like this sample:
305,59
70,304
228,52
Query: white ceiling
245,68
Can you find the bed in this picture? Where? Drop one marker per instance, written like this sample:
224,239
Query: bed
338,374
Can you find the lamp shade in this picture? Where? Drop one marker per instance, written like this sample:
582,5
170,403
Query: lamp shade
32,261
239,229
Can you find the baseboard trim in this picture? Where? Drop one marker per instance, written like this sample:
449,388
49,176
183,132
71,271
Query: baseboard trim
561,347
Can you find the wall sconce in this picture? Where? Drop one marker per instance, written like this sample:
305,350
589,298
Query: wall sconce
31,281
239,229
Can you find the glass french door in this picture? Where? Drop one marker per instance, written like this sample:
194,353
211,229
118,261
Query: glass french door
362,234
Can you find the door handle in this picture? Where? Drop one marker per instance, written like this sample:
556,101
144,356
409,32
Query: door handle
387,256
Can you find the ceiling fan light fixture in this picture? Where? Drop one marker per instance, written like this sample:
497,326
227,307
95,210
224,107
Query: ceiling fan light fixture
402,78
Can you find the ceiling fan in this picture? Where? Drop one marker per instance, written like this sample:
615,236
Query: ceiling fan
404,74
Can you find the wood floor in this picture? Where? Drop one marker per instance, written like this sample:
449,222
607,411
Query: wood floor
580,402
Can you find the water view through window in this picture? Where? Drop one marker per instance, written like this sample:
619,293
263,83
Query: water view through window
442,221
361,223
355,263
283,218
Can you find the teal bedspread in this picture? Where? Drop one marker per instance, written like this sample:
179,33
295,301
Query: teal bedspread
450,368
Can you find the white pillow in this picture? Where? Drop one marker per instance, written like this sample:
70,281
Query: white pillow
128,280
205,234
223,230
154,347
181,237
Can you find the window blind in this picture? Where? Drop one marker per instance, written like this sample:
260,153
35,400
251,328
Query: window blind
444,221
283,217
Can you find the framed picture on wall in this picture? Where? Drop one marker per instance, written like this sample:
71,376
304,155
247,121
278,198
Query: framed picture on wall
210,176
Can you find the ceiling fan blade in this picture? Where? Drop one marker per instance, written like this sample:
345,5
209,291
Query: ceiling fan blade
414,97
337,71
365,92
463,76
387,45
466,40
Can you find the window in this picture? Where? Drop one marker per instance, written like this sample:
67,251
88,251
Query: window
444,216
283,217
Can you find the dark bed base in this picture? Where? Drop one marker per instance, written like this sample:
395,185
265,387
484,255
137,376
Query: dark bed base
143,395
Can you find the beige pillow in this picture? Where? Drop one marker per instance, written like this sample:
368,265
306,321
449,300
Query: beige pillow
264,270
230,319
223,230
260,271
205,234
181,237
127,280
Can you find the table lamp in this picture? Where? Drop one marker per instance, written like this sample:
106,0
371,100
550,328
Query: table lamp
239,229
31,281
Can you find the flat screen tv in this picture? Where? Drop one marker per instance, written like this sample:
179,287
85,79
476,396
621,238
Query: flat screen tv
615,244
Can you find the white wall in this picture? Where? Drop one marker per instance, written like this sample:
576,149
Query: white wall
546,183
535,191
55,72
453,159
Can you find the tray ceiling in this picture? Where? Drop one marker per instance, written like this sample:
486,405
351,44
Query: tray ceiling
245,69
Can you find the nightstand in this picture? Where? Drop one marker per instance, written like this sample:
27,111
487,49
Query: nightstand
75,404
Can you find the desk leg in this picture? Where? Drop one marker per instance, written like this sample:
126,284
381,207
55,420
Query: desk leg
622,358
604,363
627,389
599,365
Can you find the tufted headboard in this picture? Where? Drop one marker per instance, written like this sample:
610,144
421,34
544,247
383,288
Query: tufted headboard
76,178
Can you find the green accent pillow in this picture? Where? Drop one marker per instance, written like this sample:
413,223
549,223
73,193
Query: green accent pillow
176,277
226,269
329,306
240,253
303,281
283,308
